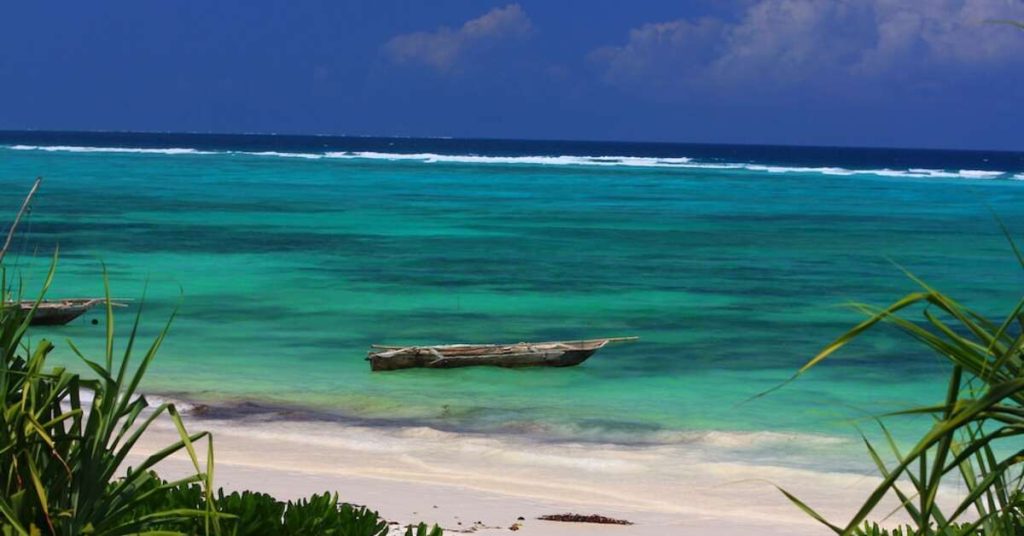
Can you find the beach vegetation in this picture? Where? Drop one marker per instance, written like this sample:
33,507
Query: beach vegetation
66,438
66,441
974,443
874,529
423,530
250,513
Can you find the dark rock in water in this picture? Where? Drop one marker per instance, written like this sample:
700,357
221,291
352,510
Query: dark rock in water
578,518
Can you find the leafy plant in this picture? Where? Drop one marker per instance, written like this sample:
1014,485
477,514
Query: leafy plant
323,514
974,440
249,513
423,530
62,455
873,529
254,513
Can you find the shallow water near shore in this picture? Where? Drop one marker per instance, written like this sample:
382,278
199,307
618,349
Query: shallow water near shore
733,273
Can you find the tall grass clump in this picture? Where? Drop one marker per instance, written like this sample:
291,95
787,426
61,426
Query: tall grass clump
974,443
65,441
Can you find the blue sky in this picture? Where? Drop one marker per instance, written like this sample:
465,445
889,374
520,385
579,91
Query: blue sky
909,73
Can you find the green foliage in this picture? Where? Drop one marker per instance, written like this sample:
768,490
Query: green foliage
423,530
256,514
974,442
61,455
323,514
873,529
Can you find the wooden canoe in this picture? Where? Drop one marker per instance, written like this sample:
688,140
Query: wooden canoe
523,354
60,312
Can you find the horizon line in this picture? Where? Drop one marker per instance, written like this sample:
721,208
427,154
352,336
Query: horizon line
4,131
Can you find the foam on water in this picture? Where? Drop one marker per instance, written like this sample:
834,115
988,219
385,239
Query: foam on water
565,160
87,396
786,169
979,174
547,160
308,156
79,149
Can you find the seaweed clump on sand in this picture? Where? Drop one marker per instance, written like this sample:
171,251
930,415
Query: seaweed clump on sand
579,518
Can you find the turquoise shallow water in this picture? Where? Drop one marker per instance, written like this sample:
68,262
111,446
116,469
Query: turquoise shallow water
287,268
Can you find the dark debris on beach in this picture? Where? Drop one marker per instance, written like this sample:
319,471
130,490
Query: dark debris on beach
579,518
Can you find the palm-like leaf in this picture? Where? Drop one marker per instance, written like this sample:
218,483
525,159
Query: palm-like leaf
62,461
976,433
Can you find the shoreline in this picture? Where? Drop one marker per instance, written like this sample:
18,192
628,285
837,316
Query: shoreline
405,472
235,409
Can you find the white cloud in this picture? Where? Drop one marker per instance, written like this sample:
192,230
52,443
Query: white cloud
949,31
785,42
683,44
444,47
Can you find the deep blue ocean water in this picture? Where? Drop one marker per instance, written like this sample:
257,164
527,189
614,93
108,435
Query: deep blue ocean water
289,255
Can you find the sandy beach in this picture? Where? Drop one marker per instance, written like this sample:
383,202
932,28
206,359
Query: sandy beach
485,484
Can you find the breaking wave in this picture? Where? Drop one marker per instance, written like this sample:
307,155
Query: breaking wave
542,160
78,149
431,158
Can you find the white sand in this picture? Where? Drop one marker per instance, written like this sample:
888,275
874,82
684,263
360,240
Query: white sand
458,480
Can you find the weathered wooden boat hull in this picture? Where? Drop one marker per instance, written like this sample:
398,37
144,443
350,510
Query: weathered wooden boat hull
57,316
541,354
59,312
556,358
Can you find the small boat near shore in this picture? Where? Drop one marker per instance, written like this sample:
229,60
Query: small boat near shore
60,312
523,354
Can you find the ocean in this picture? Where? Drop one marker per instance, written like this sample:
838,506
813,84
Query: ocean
287,256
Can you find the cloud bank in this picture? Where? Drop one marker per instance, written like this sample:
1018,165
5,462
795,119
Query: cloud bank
443,48
781,43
